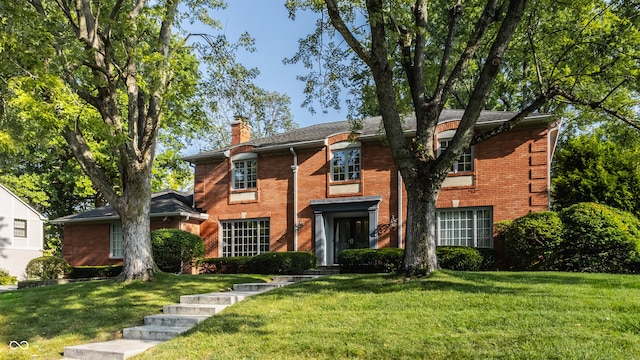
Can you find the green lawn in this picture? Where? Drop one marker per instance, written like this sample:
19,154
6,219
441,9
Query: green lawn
52,317
452,315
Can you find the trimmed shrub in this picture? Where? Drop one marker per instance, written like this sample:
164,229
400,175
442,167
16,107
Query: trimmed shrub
282,263
6,279
459,258
87,272
599,238
532,241
47,268
173,248
385,260
224,265
489,262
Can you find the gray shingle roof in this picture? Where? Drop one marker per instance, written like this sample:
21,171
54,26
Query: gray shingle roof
163,203
370,127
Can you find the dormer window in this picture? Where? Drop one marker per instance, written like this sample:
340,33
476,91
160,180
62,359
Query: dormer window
345,161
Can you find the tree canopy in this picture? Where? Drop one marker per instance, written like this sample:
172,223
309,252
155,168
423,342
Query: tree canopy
400,57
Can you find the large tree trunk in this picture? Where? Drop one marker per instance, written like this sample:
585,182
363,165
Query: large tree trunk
138,259
420,240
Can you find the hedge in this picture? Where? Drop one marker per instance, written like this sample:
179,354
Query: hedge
459,258
173,248
47,267
224,265
88,272
285,263
532,241
599,238
385,260
267,263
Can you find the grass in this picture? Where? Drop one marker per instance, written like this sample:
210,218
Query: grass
52,317
452,315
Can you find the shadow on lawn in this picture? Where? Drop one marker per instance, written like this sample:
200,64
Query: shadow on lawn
469,282
96,308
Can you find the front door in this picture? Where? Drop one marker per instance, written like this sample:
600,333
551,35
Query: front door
350,233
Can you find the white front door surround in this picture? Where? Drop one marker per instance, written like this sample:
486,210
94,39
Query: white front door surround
327,210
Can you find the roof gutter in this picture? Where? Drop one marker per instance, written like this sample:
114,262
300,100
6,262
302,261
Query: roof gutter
198,216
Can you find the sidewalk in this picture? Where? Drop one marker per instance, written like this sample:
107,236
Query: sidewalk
8,287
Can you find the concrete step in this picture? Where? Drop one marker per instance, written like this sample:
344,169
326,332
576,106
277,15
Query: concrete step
153,332
259,287
294,278
218,298
323,270
108,350
193,309
174,320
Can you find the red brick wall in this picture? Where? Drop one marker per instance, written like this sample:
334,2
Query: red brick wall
510,174
88,244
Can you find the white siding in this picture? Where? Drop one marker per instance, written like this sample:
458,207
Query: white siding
16,252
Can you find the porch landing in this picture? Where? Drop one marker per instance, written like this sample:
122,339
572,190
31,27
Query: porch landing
175,320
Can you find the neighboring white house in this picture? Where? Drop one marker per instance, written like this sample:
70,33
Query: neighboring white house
21,233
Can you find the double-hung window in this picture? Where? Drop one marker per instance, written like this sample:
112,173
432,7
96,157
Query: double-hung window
464,162
465,227
245,237
20,228
245,174
116,245
345,161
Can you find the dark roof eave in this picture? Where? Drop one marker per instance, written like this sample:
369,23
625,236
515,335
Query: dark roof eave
186,215
221,154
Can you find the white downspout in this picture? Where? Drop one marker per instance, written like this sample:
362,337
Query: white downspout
296,226
399,210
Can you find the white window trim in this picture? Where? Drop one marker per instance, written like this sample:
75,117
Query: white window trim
116,236
475,211
345,146
448,136
245,180
25,228
232,245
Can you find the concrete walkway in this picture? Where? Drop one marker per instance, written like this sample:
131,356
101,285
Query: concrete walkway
174,320
8,287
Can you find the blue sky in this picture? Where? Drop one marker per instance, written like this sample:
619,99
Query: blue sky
276,37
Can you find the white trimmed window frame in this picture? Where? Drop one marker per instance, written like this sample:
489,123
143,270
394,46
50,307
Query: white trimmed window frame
245,237
346,161
244,172
20,228
465,162
470,227
116,241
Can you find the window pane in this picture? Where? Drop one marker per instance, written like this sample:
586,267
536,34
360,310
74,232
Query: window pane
471,228
117,246
338,165
20,228
245,237
245,174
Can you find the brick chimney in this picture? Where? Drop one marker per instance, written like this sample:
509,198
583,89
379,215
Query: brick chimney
240,131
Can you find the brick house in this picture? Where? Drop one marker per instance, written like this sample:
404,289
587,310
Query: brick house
94,237
315,189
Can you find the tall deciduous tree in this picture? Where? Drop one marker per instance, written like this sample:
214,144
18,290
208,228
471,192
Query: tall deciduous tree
422,56
104,74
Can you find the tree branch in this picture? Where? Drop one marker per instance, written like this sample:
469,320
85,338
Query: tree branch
481,27
338,23
87,161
